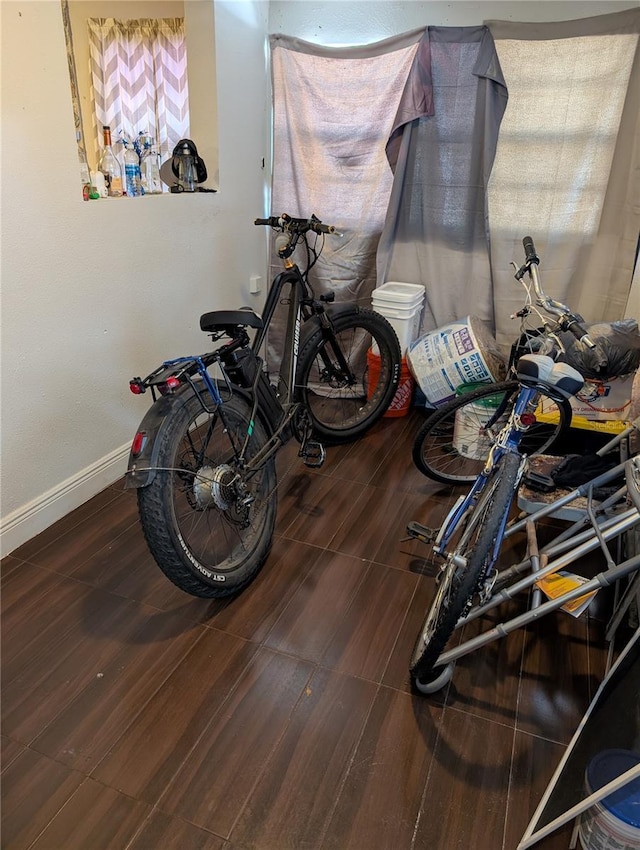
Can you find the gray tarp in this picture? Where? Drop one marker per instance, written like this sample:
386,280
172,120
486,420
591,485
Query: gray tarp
333,113
441,151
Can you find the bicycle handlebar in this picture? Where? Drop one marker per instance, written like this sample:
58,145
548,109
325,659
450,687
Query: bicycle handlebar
568,321
573,326
296,225
530,251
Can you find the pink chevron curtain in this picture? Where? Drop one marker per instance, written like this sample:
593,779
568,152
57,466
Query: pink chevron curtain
139,79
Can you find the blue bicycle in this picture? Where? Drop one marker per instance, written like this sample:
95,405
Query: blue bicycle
470,538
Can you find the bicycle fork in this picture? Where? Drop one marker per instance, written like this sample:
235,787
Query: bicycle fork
508,440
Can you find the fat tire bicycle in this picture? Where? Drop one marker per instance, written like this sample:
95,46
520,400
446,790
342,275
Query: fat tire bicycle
470,538
452,444
203,458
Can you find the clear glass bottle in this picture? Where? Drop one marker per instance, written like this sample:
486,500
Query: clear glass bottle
153,173
132,172
110,166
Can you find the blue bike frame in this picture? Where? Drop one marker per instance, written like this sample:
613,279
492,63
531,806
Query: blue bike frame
508,441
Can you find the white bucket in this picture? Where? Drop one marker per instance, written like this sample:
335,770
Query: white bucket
469,438
463,352
614,822
398,294
406,323
401,305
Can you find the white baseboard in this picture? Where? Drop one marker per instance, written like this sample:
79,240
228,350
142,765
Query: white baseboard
30,519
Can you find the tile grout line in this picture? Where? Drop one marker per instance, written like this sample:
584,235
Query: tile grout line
273,750
348,768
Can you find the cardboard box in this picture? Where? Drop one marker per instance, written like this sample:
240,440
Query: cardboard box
601,400
597,401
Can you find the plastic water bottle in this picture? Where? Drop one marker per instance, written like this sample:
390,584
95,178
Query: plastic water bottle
186,169
133,177
151,183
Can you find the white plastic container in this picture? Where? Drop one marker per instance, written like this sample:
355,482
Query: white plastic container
469,438
463,352
401,305
614,822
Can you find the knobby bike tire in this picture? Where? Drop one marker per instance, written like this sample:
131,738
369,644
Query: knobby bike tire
458,584
342,407
452,446
207,523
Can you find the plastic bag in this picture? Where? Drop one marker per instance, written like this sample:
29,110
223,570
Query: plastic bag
574,470
617,350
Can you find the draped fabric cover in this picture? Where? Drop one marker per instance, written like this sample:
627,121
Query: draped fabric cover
442,150
567,169
470,170
333,111
139,79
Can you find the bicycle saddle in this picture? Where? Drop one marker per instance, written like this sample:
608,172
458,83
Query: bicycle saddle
536,369
218,320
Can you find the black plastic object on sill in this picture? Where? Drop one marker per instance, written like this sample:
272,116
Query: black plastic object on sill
177,189
185,170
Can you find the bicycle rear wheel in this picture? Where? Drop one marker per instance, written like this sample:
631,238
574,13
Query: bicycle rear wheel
343,395
453,443
208,523
458,584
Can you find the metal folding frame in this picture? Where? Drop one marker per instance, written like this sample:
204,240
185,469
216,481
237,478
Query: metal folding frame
593,524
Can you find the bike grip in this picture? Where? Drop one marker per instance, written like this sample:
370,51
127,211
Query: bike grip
323,228
530,250
272,221
580,333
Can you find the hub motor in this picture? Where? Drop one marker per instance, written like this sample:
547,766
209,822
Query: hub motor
215,486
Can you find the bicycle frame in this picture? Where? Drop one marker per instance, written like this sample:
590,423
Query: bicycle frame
508,441
587,534
198,364
276,407
288,366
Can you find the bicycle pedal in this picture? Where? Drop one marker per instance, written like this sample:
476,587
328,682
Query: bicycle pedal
417,531
312,453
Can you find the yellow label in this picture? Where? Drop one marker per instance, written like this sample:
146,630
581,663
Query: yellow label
603,426
555,585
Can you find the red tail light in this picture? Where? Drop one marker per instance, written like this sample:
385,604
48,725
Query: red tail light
139,442
168,386
528,419
136,386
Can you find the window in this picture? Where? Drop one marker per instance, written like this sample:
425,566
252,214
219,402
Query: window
139,79
185,104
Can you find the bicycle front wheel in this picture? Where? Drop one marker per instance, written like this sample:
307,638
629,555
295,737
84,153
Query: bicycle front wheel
207,522
458,584
348,375
453,443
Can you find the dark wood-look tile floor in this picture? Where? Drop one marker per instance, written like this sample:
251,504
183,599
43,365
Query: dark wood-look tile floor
136,717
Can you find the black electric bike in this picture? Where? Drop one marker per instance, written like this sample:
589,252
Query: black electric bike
203,458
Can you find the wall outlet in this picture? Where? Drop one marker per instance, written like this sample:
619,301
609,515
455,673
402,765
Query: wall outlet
255,284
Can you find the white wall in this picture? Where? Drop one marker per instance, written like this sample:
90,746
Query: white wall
94,293
365,21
